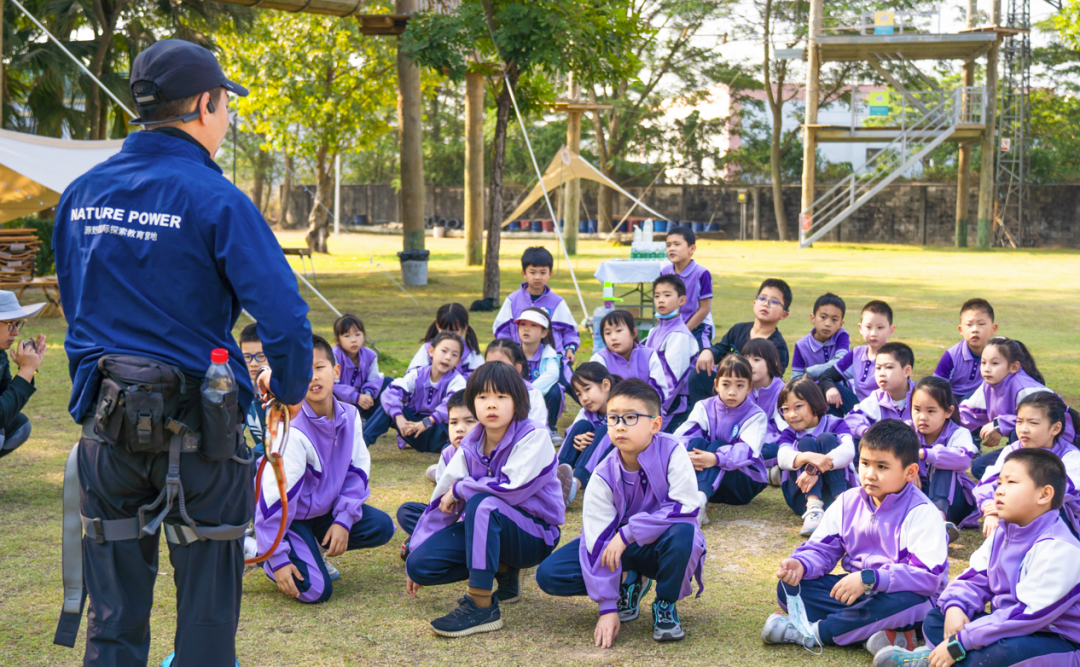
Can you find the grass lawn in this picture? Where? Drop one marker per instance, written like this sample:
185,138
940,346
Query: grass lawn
371,621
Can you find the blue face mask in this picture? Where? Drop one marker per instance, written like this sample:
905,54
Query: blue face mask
798,618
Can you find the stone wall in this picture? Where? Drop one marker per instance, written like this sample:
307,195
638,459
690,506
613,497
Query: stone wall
918,214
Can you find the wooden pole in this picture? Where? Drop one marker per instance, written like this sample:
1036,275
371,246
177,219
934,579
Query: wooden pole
2,64
572,213
963,181
813,72
984,233
757,214
412,150
474,169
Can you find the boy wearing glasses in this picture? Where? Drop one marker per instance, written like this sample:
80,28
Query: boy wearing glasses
770,307
639,524
16,391
252,348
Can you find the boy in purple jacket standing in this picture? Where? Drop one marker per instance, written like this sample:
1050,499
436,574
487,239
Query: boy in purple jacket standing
327,467
1026,570
696,312
639,524
536,265
890,539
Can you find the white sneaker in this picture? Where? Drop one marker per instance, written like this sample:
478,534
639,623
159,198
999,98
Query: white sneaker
331,571
811,520
702,518
430,474
896,638
776,475
779,630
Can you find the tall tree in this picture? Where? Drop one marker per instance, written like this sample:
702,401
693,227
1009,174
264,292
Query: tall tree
329,92
533,41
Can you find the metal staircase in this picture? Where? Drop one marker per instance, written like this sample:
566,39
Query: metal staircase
922,122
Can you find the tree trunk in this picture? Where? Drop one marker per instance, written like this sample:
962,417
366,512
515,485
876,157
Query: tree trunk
604,194
502,121
318,221
260,165
107,22
776,106
286,193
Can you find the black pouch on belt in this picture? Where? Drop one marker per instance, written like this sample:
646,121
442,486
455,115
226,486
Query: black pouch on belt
222,431
137,400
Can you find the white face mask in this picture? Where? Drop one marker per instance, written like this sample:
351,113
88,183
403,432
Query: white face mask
798,618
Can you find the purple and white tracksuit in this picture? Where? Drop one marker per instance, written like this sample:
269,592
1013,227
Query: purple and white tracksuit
831,436
812,357
943,470
678,352
1028,574
858,369
563,327
416,397
654,512
362,377
767,398
1069,455
876,407
470,361
903,541
960,366
735,436
996,404
545,368
698,282
509,510
326,467
644,365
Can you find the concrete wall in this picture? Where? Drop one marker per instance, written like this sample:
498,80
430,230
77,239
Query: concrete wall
919,214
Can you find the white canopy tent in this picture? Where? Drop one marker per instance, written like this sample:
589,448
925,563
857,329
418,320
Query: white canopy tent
566,166
35,170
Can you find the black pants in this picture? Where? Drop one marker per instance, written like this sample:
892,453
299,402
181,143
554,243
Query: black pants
120,576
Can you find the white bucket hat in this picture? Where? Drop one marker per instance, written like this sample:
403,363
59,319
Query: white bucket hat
11,310
534,317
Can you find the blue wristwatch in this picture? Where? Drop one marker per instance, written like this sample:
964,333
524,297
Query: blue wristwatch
869,580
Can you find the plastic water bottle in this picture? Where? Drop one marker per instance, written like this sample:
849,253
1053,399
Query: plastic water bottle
219,380
647,232
598,315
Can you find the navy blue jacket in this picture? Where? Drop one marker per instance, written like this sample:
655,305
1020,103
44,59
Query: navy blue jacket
156,254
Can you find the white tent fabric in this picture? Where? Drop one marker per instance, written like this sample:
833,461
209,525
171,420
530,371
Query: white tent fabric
35,170
566,166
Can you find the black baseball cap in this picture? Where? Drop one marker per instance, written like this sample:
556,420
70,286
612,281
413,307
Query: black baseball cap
173,69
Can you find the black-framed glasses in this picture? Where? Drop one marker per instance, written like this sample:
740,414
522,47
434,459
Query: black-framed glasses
14,327
630,419
259,357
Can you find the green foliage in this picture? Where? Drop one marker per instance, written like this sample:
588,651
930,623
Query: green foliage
1067,21
1055,150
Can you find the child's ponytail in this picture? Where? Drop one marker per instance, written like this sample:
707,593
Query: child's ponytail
453,317
1016,352
511,350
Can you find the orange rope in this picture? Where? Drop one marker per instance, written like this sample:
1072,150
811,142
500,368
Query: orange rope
277,417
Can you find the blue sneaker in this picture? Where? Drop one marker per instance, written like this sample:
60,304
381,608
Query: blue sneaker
666,626
894,656
167,662
630,598
468,619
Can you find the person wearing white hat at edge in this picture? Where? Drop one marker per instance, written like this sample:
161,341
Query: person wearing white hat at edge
16,391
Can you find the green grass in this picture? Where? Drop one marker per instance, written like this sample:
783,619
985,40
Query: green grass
370,620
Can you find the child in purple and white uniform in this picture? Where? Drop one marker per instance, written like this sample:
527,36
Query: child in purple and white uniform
675,346
451,317
1009,374
627,358
765,387
960,363
460,422
361,384
696,312
544,363
827,342
815,453
415,405
496,509
1026,571
892,399
852,378
536,266
724,435
506,351
593,385
945,453
327,467
638,525
1041,423
886,535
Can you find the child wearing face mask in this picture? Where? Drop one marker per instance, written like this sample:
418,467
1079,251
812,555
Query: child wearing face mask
496,509
1009,374
945,453
815,453
674,344
726,433
1041,423
453,318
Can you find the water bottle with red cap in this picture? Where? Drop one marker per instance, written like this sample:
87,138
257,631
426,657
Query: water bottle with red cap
219,381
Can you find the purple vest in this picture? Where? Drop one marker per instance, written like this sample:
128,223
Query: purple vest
355,375
725,423
810,352
961,368
657,336
860,369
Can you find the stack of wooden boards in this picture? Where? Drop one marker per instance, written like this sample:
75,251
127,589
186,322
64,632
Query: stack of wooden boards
18,251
